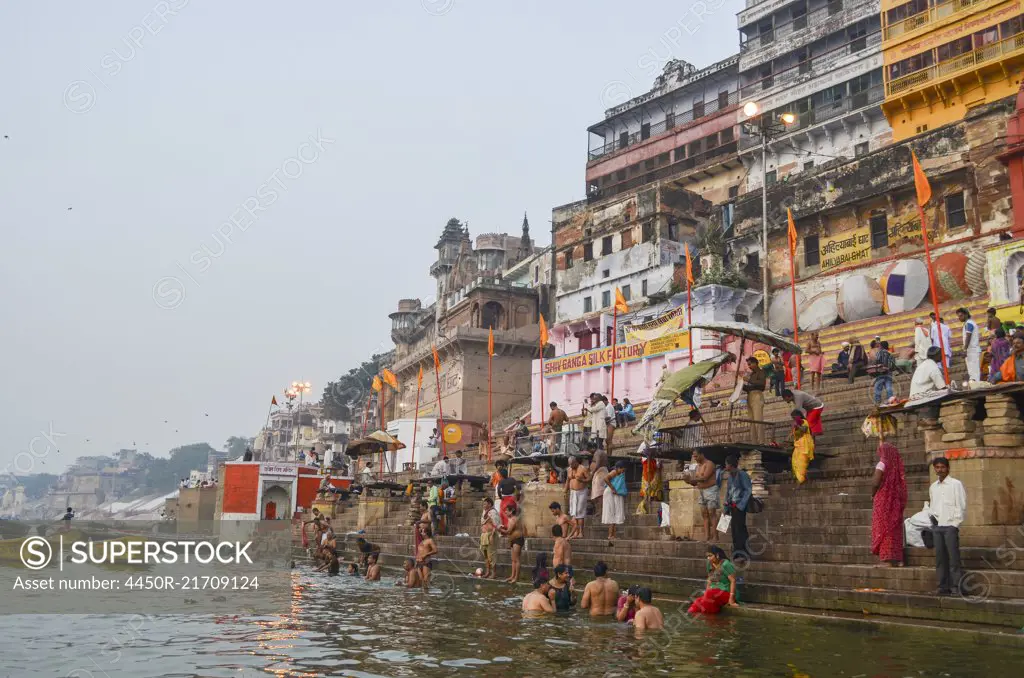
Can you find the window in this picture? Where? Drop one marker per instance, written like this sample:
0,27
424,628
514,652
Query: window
857,34
606,245
953,49
726,135
804,61
647,232
734,191
766,76
568,258
670,120
620,175
673,229
799,16
695,148
625,292
808,165
588,252
766,33
588,304
536,274
645,130
606,299
627,238
643,288
679,154
623,139
698,109
835,7
770,178
723,98
606,273
860,149
812,254
956,214
879,231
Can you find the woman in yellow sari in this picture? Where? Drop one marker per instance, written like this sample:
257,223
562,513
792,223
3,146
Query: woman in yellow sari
803,446
650,483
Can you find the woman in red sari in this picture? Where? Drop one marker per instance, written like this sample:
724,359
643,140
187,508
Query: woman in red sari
889,489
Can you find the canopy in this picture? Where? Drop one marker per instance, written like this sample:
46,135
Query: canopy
374,443
675,385
759,334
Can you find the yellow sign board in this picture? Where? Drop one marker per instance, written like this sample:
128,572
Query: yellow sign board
907,229
845,249
602,357
659,327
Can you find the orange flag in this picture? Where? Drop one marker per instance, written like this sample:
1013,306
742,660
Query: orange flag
792,233
543,332
376,384
620,302
689,263
490,342
437,359
924,190
273,400
389,378
419,378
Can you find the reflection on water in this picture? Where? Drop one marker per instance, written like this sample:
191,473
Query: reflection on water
343,626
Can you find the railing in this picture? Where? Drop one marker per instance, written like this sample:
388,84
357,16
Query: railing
693,162
958,64
710,107
786,29
930,15
725,432
827,111
569,441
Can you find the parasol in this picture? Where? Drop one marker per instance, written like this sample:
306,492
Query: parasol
752,332
373,444
673,387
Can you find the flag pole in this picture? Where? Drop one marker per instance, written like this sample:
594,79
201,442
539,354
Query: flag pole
383,393
689,319
615,337
540,342
792,288
416,417
490,420
366,412
924,194
440,410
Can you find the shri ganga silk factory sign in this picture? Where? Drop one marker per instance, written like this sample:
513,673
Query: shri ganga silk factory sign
845,249
601,357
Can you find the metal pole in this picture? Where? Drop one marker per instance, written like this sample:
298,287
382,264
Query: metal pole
764,225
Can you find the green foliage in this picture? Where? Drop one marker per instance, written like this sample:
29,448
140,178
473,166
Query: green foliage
163,474
710,240
235,446
344,399
718,274
36,485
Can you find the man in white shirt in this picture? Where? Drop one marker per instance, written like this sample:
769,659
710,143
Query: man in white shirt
440,468
947,506
922,341
928,378
457,466
971,343
947,337
367,474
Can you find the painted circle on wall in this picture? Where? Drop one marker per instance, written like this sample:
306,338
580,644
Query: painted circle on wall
860,297
951,276
452,433
820,312
904,284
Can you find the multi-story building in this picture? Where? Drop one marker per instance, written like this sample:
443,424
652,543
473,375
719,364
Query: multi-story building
473,298
292,431
945,57
821,61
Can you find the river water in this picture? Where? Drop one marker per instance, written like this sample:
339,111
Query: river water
344,626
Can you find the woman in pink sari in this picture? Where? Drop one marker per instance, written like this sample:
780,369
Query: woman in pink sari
889,489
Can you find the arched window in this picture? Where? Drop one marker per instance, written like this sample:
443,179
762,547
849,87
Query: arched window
493,316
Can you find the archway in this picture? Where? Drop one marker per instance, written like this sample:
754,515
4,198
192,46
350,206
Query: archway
276,503
493,316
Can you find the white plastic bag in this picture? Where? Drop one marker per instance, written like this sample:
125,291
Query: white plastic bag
724,522
664,515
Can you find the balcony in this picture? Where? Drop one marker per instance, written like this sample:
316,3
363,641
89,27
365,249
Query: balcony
707,159
709,109
825,112
784,30
964,63
930,16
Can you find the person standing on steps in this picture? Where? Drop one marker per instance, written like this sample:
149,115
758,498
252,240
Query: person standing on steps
489,523
705,479
598,474
598,419
815,361
614,502
560,518
947,506
803,446
922,341
600,595
507,490
516,540
737,496
754,388
971,344
889,499
811,406
556,420
577,486
562,550
941,328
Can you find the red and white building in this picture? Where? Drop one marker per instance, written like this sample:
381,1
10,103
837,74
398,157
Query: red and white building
254,490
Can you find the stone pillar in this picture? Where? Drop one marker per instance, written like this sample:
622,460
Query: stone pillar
534,512
1003,424
372,510
328,507
751,463
684,512
958,423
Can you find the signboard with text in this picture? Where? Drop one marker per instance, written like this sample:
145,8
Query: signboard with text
271,469
845,249
602,357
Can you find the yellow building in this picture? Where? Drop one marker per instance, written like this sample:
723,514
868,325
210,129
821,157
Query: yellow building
943,57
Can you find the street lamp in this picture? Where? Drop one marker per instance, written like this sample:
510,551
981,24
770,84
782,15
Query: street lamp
766,127
297,389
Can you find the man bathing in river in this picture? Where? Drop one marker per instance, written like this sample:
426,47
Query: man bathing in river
424,555
537,600
373,570
412,575
600,595
563,549
560,518
648,617
516,540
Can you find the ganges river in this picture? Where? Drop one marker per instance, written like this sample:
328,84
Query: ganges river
343,626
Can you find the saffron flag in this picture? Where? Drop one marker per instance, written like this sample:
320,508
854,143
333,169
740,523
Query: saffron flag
924,190
490,342
543,332
437,359
389,378
689,263
273,400
376,384
792,233
620,302
419,378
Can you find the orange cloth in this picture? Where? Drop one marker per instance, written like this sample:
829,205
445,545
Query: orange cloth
1008,369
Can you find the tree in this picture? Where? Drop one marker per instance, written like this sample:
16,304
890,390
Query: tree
345,398
235,446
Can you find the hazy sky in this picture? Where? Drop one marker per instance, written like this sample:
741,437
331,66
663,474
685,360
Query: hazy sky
338,137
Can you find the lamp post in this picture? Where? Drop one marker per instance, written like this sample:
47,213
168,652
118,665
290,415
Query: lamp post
766,127
297,389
